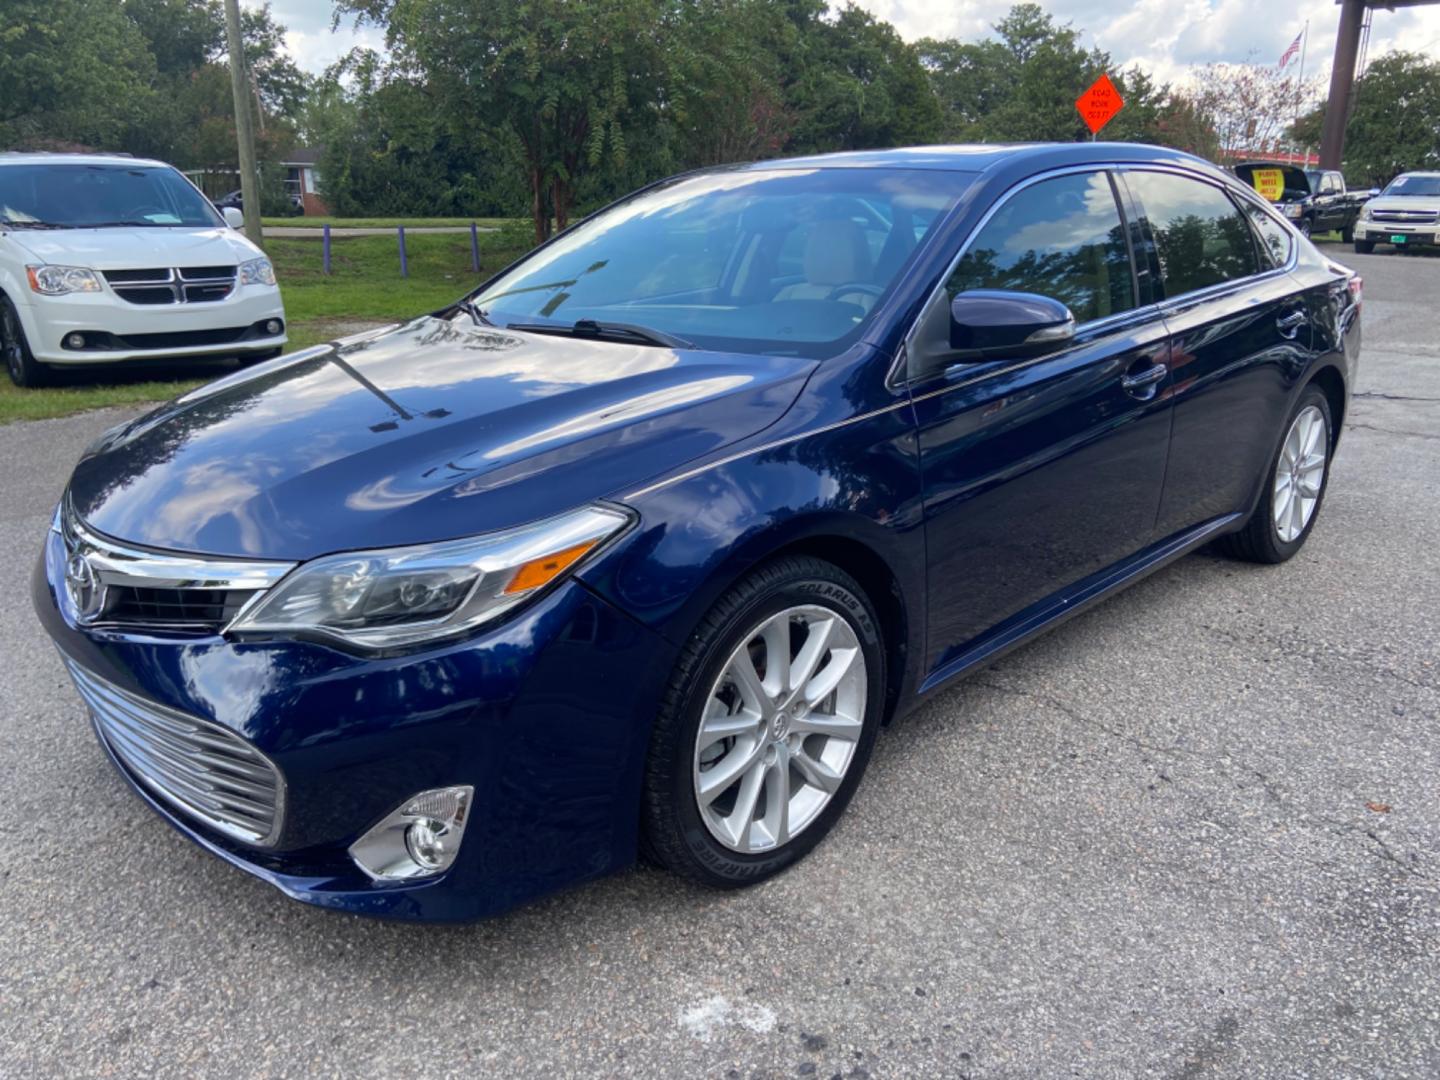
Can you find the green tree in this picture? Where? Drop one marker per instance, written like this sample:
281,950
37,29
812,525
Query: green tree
72,70
1394,122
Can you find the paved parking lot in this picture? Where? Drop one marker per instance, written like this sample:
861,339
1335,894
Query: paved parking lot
1192,833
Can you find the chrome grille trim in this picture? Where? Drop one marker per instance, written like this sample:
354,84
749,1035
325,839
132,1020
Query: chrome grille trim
202,769
173,285
1405,217
122,570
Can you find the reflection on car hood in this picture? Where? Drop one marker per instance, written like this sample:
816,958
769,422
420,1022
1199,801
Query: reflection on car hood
1425,204
136,249
430,431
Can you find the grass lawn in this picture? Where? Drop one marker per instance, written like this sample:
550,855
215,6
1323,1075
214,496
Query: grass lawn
363,289
381,223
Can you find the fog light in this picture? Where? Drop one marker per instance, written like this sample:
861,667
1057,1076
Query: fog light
74,341
419,839
273,327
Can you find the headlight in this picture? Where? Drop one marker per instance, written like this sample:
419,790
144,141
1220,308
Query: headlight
1364,213
257,272
60,280
1293,210
401,596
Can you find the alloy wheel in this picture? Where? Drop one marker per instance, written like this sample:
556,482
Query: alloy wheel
780,728
1300,473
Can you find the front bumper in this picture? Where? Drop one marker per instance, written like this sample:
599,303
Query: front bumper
48,319
547,716
1384,232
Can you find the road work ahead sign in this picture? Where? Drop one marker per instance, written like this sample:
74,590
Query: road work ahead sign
1099,104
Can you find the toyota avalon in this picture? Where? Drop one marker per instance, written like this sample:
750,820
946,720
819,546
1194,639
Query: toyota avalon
638,547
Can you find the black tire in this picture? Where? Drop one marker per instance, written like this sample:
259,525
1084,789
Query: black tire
673,832
20,363
1347,234
1304,226
1259,541
1364,247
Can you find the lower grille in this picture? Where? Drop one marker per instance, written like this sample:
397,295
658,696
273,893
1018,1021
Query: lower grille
205,771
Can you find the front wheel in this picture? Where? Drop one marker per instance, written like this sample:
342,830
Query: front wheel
20,363
1304,226
1295,486
767,725
1364,247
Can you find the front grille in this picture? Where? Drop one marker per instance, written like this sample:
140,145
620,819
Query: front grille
205,771
190,609
1406,217
173,285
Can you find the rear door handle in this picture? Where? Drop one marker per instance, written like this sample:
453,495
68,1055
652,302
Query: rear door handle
1142,383
1289,325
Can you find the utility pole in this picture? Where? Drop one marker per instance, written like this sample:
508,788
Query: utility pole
244,131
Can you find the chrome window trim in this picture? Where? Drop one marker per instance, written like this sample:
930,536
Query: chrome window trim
119,564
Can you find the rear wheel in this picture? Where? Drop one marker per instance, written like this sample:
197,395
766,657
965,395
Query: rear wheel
1364,247
1347,234
767,725
20,363
1294,486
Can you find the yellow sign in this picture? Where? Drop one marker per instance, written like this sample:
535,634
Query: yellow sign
1269,182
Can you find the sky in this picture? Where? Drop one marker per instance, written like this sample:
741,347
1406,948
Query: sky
1166,37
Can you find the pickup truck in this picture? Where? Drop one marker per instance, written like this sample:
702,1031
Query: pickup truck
1314,200
1405,215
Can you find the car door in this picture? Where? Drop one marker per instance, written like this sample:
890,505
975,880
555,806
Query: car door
1240,333
1039,471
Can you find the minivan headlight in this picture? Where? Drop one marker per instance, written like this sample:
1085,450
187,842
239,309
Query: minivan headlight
403,596
61,280
257,272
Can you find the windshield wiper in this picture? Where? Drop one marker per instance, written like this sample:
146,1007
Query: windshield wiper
477,316
8,224
613,331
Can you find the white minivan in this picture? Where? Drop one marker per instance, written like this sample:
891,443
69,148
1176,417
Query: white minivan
107,259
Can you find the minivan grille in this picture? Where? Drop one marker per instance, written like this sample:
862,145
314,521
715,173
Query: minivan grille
205,771
169,285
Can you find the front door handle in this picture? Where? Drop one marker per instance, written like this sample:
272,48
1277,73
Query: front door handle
1289,325
1142,384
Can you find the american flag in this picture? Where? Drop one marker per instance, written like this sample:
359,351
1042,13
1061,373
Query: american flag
1289,54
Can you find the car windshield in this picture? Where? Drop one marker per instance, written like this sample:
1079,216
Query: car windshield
76,196
1426,186
763,261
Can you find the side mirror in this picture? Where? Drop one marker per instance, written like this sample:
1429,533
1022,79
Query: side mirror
233,217
984,321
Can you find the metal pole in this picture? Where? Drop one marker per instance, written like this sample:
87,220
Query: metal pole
325,241
1342,78
1300,84
244,130
404,263
474,248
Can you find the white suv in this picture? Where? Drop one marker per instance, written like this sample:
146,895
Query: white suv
105,259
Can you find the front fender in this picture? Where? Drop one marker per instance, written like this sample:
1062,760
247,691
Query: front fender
851,490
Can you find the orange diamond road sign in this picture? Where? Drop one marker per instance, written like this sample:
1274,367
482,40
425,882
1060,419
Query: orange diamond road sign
1099,104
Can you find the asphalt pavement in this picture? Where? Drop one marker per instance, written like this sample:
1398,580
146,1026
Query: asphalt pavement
1192,833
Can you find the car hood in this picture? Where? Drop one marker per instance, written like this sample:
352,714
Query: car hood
427,431
136,249
1424,203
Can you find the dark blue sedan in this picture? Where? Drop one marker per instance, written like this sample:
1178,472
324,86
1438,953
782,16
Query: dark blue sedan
638,547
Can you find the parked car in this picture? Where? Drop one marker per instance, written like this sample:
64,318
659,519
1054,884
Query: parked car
1315,200
235,200
1405,215
107,260
638,547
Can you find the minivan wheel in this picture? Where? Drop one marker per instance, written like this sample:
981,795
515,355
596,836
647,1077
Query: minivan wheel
23,368
1294,488
766,727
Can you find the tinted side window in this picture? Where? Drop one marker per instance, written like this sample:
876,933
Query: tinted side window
1061,238
1200,235
1273,237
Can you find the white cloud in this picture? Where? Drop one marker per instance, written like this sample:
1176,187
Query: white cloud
1166,37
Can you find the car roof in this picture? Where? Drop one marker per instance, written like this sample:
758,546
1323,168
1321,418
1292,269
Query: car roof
982,157
27,157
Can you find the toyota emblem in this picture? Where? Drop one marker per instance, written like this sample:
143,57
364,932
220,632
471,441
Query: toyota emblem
83,587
